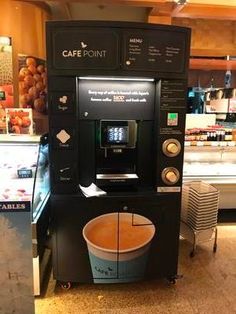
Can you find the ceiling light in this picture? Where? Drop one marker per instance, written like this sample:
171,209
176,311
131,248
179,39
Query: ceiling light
5,40
181,2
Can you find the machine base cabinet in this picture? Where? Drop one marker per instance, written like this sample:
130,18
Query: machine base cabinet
115,238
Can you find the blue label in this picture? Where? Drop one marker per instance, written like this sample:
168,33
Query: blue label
105,271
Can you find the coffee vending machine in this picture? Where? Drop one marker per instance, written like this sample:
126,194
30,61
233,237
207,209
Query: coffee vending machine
117,102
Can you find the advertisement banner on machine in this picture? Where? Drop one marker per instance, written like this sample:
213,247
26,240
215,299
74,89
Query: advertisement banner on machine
117,97
114,261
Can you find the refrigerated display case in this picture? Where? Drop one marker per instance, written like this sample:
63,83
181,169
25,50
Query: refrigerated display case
25,183
215,165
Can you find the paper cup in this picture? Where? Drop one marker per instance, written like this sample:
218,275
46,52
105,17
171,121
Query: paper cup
118,245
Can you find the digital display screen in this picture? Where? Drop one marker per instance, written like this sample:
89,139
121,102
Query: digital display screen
172,119
117,134
25,173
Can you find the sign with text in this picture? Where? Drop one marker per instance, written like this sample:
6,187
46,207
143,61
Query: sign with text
116,99
172,107
155,50
14,206
85,49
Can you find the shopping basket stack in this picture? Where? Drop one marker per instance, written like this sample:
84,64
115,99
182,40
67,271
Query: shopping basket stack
199,212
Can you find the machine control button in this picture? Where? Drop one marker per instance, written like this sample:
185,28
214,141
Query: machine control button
63,102
170,175
171,147
64,174
63,136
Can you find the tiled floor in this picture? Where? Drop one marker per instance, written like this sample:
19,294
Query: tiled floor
208,286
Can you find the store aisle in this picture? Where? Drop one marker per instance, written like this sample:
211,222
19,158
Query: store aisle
208,286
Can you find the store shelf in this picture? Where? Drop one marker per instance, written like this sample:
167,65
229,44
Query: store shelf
210,143
211,64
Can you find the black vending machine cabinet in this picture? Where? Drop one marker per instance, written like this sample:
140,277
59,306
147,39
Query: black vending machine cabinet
117,102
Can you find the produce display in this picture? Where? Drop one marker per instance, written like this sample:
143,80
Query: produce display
6,75
32,84
2,121
19,121
15,194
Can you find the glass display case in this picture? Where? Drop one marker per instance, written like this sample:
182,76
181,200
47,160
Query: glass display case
25,183
24,171
215,165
